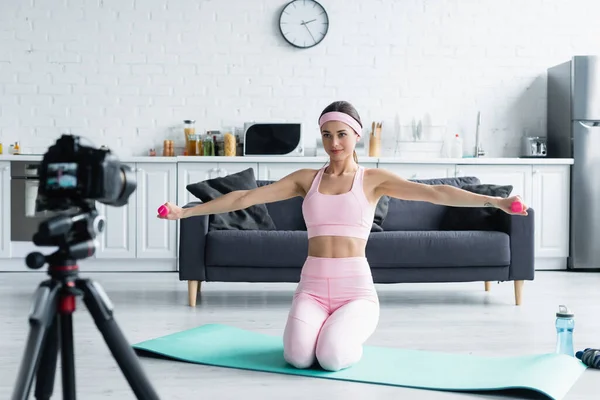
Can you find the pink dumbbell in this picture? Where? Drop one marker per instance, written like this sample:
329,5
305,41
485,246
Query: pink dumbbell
516,207
163,211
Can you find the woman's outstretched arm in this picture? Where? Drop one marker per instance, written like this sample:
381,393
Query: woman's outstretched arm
390,184
283,189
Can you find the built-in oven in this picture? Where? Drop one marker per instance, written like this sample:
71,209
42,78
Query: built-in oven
24,219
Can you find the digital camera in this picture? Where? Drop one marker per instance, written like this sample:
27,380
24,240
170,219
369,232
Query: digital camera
74,174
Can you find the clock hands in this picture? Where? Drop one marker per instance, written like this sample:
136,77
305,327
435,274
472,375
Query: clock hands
311,35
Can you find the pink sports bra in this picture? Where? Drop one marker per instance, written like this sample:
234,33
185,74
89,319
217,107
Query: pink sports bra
347,214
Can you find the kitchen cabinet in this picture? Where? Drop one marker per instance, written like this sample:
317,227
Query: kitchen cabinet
274,171
133,231
519,176
118,238
157,183
196,172
551,202
420,171
5,209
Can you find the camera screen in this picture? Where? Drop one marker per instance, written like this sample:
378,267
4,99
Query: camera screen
61,176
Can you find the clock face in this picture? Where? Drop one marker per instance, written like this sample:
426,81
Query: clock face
304,23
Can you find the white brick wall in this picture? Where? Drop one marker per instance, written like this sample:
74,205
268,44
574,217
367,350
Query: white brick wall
129,71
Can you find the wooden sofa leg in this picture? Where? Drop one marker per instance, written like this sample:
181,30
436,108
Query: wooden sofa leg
518,292
193,290
488,286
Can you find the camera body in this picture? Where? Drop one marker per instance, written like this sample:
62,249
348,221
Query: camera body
73,173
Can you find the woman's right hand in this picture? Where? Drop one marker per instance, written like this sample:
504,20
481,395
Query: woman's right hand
175,212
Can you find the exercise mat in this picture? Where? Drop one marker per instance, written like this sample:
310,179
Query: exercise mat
220,345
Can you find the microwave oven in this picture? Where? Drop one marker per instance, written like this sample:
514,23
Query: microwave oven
273,139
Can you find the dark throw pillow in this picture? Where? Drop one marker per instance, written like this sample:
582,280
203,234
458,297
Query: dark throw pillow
476,218
380,213
252,218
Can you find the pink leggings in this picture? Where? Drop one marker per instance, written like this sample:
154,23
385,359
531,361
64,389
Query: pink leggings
334,311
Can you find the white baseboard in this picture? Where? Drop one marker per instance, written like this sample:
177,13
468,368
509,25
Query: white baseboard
554,264
100,265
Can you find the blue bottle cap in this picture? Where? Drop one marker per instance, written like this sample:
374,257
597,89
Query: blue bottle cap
564,312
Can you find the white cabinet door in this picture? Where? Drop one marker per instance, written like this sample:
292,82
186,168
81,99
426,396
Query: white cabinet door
157,183
118,238
551,202
5,209
224,169
191,173
420,171
276,171
519,176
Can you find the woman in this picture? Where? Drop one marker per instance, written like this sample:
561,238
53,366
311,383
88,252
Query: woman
335,307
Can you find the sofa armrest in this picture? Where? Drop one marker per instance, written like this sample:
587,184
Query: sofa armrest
521,230
192,239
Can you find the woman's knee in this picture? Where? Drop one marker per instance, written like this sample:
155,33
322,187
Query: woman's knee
299,343
334,356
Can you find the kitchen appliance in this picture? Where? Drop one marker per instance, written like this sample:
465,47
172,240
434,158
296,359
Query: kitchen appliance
533,146
573,121
273,139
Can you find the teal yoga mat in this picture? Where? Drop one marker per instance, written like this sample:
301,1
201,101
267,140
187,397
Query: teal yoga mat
220,345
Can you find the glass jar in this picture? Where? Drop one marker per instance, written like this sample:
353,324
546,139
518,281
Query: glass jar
209,148
189,128
194,147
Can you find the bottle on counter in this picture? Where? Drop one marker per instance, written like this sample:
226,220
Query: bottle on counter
1,148
456,147
17,148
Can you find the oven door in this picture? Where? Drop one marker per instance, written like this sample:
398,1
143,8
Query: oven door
273,139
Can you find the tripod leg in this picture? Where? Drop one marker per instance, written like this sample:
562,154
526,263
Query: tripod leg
101,309
42,315
67,355
46,371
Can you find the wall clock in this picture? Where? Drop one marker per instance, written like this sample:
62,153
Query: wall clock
304,23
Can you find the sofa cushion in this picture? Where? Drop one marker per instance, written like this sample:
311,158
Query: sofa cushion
286,214
381,211
256,248
428,249
251,218
405,215
476,218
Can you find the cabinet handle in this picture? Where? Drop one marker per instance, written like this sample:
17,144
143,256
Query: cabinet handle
413,176
536,171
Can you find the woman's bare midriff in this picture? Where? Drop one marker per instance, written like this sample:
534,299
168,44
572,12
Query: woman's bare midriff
336,247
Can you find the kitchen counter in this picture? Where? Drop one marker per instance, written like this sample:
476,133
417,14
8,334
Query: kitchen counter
321,159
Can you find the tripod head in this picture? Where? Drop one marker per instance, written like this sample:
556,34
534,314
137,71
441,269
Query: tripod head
74,233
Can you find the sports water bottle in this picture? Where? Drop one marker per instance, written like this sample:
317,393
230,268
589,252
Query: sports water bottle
565,323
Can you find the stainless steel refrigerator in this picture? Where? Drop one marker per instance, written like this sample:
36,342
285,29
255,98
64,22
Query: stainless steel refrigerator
573,118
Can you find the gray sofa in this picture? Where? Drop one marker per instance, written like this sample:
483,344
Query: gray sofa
412,247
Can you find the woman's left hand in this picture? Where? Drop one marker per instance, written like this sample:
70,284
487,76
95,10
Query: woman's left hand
505,205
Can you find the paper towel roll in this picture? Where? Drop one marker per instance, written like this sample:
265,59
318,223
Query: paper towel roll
31,191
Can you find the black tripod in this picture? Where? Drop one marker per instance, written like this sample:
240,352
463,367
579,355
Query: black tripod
50,318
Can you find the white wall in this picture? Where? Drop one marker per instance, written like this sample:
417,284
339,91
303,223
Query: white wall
125,72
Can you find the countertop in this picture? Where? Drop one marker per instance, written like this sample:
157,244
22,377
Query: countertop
322,159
